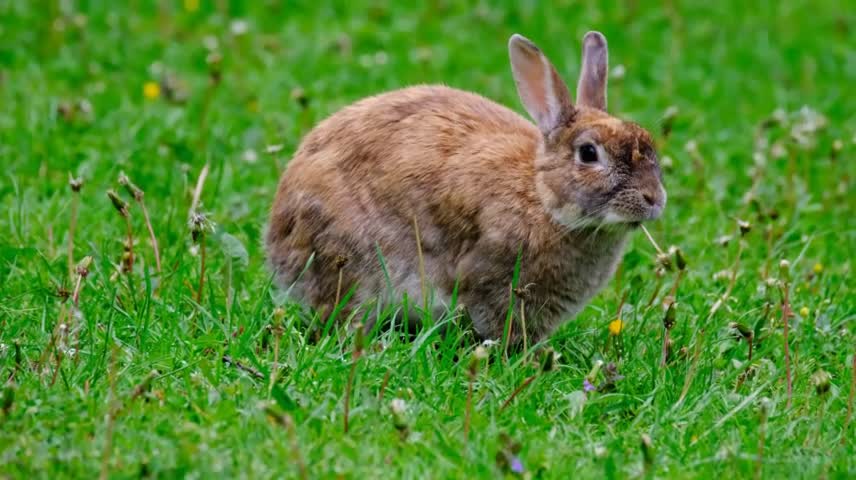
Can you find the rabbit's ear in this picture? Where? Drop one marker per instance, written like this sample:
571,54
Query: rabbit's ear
591,90
543,93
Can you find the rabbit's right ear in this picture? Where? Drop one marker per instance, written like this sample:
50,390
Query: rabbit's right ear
544,94
591,89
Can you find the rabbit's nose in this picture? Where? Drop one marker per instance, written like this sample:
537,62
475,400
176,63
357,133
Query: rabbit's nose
649,198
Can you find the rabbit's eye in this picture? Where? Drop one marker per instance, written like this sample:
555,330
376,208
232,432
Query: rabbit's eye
588,153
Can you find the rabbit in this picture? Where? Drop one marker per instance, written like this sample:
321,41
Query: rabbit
432,192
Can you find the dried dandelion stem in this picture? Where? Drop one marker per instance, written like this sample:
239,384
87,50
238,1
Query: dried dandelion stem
129,265
122,207
548,364
197,192
76,185
657,287
151,235
651,239
75,296
517,391
138,195
674,291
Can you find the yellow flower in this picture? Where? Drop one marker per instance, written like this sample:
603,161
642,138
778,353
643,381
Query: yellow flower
616,326
818,267
804,311
191,5
151,90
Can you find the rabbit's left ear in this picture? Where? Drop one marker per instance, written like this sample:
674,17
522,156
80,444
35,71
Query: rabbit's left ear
591,89
544,94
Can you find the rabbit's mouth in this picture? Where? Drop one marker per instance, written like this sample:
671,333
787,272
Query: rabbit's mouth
634,206
633,216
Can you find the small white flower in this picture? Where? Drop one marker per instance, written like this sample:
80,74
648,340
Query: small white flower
250,156
778,150
210,42
480,353
239,27
721,275
398,406
691,146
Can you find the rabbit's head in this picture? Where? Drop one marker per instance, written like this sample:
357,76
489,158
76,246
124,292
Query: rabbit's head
592,168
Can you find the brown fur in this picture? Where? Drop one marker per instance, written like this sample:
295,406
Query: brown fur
481,182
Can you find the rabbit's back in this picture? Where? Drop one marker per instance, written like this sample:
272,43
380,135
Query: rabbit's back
452,164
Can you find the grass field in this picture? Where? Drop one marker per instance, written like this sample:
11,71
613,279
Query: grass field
151,376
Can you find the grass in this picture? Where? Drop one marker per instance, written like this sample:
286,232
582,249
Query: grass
164,375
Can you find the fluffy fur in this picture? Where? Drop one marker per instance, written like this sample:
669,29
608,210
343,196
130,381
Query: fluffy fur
481,183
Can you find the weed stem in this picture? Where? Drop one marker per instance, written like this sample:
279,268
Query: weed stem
151,234
651,239
517,391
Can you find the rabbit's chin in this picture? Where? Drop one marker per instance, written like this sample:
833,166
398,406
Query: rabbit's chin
616,220
570,217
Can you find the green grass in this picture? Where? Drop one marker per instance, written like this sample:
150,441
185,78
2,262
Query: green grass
726,67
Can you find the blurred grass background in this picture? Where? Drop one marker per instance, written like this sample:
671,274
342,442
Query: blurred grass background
160,89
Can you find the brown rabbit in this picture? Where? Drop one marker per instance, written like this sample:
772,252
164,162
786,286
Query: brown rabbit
473,185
